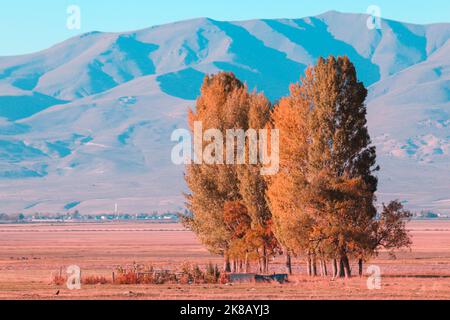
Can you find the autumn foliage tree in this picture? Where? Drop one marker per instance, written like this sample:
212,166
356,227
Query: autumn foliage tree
321,204
291,223
389,230
322,200
217,188
253,186
212,185
242,245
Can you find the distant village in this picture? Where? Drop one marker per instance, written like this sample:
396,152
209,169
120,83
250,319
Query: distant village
155,217
430,215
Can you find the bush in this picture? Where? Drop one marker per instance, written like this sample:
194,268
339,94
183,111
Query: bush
59,280
212,274
126,277
94,280
224,278
140,274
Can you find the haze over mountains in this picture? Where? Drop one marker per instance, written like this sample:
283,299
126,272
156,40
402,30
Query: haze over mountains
87,123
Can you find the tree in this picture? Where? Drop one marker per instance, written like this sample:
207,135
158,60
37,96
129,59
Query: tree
327,166
253,186
212,185
320,205
389,230
341,160
226,104
238,223
291,223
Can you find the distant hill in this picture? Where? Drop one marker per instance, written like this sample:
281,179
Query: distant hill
86,123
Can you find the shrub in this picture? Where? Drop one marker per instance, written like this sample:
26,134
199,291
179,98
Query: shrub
188,274
59,280
212,273
224,278
94,280
126,277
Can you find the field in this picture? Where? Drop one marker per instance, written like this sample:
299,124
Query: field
30,255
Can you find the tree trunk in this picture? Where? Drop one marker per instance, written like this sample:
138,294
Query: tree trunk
265,260
314,266
259,261
346,265
226,264
360,267
247,263
341,272
323,268
264,265
288,263
308,265
334,266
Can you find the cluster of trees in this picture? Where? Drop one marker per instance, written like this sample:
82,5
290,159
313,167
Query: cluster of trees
320,205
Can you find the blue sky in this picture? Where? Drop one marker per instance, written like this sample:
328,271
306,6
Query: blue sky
27,25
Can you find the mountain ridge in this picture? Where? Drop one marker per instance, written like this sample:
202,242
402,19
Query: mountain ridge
104,105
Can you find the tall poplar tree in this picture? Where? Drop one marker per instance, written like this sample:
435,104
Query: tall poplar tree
322,199
225,103
341,160
291,223
253,186
222,105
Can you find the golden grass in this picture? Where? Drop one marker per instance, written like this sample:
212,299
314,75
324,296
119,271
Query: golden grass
31,255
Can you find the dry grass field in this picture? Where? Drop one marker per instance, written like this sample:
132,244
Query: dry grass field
31,254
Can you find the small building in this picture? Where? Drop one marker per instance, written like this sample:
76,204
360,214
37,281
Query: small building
256,278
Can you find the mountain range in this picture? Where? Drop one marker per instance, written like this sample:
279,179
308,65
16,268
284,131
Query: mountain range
86,123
